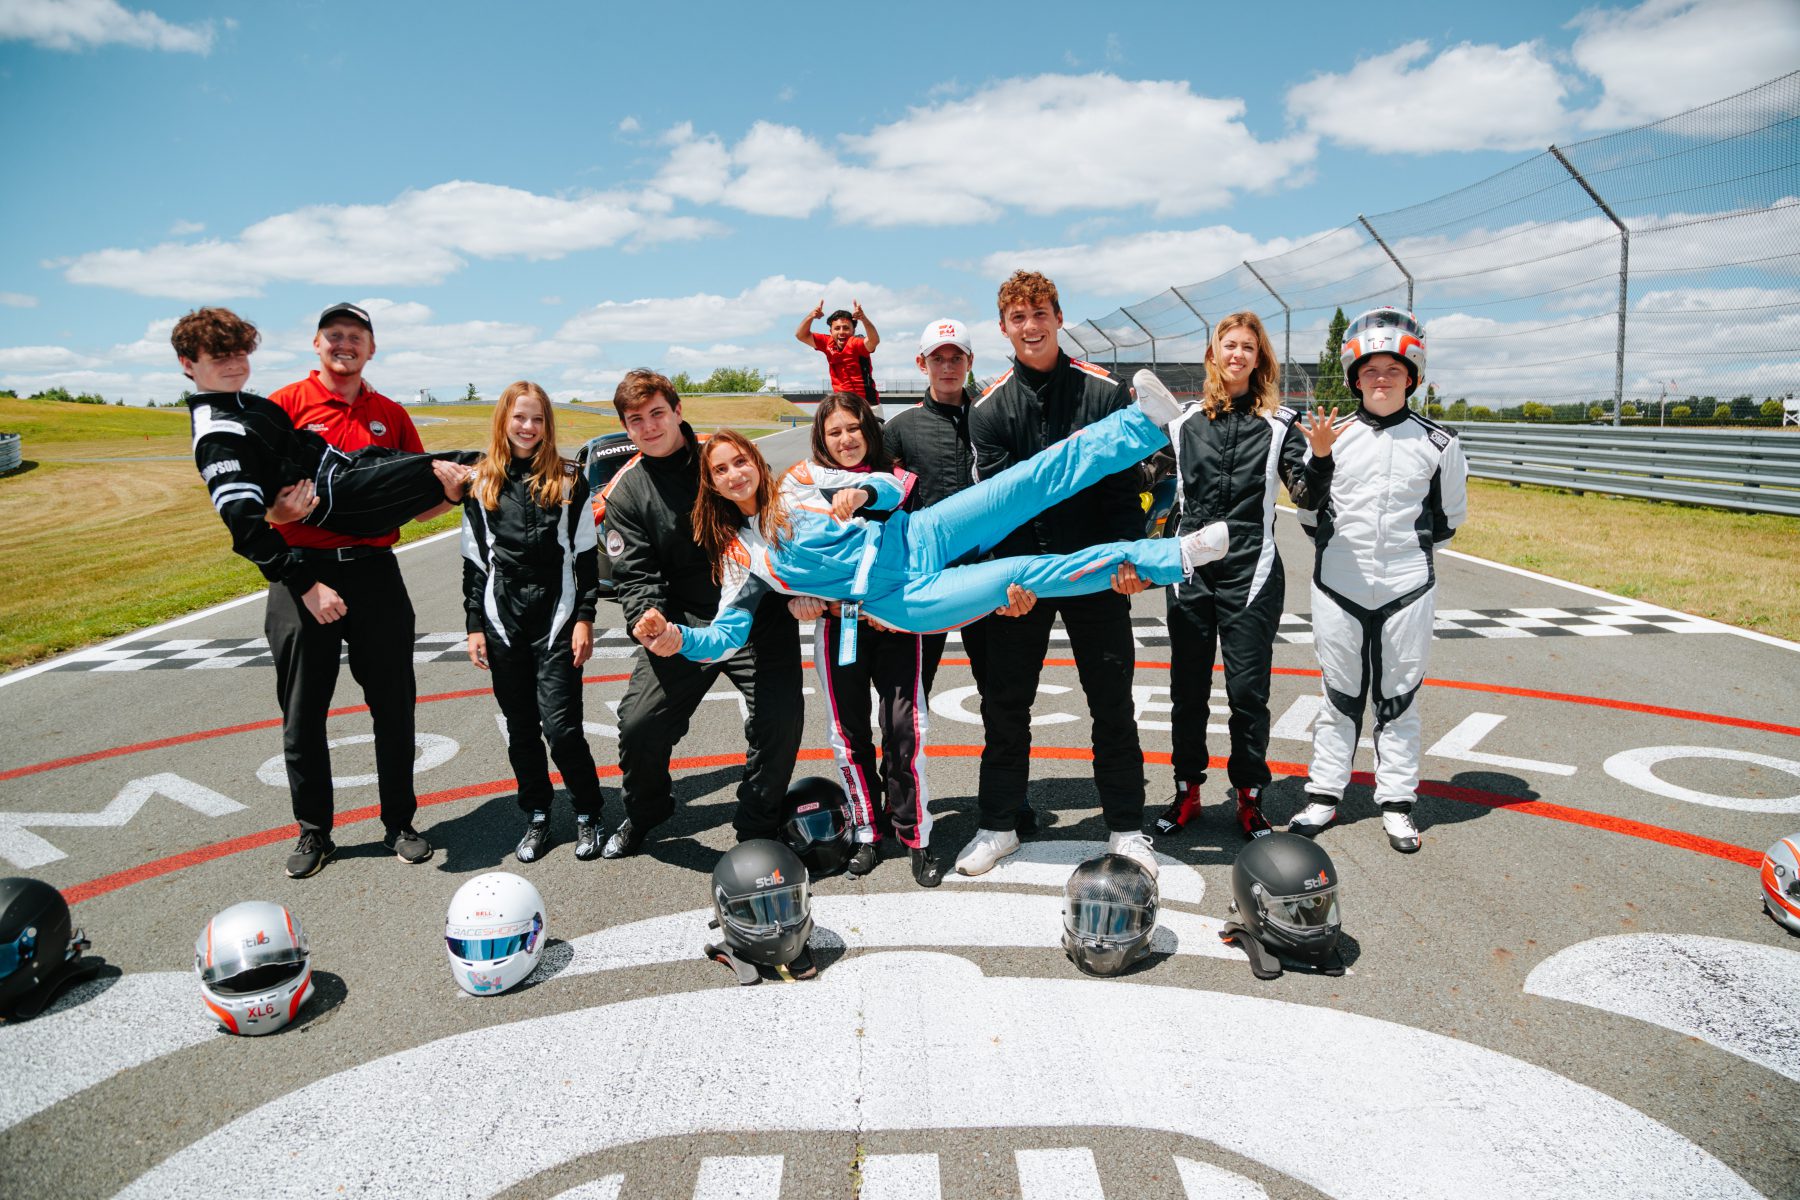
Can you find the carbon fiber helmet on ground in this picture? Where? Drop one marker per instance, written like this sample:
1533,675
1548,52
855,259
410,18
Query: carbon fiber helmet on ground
762,907
255,967
816,825
1781,882
494,932
1109,913
40,951
1285,895
1384,331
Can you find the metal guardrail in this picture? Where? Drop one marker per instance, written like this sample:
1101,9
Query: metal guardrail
12,452
1750,472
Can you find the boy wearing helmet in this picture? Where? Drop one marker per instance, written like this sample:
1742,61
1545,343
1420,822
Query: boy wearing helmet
1398,487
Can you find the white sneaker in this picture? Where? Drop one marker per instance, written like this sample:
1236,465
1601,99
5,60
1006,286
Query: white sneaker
1314,819
1204,545
986,848
1136,847
1157,401
1402,834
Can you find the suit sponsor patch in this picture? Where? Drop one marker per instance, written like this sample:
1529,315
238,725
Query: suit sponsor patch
219,468
615,543
1439,438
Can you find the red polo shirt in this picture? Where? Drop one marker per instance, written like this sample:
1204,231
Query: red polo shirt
369,420
846,364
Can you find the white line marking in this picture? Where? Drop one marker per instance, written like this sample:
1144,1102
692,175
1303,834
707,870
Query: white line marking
1058,1174
24,849
595,1189
900,1177
1460,744
739,1177
1742,997
1637,769
1204,1181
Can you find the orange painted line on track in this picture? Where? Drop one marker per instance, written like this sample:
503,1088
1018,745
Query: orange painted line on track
1742,855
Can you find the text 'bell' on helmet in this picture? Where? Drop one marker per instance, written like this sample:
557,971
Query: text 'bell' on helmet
1109,913
255,967
1384,331
1285,890
816,825
1781,882
762,900
36,941
494,932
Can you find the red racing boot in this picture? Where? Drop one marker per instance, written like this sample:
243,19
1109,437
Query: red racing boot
1249,812
1184,808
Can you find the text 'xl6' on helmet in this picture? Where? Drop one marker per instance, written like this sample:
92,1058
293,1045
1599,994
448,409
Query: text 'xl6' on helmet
1384,331
762,901
255,967
1781,882
37,945
1109,913
1285,891
816,825
494,932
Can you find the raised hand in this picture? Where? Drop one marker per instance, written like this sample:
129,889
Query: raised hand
1320,430
856,309
818,310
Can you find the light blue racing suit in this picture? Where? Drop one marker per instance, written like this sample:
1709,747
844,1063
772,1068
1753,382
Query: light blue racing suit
894,563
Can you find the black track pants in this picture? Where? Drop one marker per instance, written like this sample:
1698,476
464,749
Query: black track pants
893,665
538,687
1200,629
376,490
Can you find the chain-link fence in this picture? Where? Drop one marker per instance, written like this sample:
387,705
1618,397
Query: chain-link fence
1644,271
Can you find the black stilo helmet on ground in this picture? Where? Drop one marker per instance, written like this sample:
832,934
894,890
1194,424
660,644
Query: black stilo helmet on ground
38,945
816,825
1285,892
761,900
1109,913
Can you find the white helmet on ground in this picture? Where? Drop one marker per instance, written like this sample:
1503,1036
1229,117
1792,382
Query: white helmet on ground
1781,882
494,932
1384,331
255,967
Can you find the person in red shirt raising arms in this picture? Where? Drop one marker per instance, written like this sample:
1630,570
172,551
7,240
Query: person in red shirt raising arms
847,355
358,603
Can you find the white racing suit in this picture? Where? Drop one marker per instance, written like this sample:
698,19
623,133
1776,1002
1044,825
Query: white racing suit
1398,488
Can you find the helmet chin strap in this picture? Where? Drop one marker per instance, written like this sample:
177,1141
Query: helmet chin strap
1264,964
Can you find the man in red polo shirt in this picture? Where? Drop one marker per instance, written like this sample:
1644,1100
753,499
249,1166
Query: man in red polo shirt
359,603
846,355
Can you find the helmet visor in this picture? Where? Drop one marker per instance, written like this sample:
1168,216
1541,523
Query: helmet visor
1384,318
822,824
19,950
766,912
492,945
241,970
1304,914
1108,920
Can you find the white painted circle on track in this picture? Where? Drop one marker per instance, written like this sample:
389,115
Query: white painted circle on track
1204,1181
434,751
1637,768
927,1042
953,705
1742,997
93,1031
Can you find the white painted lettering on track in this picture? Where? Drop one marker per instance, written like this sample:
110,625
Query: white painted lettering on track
1637,768
434,751
24,849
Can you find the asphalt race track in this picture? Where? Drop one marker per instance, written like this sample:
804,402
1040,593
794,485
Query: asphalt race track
1571,991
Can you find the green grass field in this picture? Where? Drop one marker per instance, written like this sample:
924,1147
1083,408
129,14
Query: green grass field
108,529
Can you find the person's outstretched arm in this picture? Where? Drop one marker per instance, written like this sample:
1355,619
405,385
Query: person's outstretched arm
730,628
804,335
871,338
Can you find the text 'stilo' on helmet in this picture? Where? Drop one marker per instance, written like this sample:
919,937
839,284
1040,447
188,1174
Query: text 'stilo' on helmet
255,967
494,932
1285,890
1109,914
1781,882
816,825
1383,331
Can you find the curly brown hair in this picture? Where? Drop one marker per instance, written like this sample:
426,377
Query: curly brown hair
217,331
1029,288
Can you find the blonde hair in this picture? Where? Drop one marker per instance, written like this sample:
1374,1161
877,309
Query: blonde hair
1265,376
549,481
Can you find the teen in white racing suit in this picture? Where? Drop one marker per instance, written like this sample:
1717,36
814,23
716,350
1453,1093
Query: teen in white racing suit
1398,487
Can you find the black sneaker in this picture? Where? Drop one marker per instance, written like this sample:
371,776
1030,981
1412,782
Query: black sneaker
863,860
535,841
309,855
927,871
407,845
587,838
626,840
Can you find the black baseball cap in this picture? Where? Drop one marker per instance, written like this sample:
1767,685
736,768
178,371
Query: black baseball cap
355,312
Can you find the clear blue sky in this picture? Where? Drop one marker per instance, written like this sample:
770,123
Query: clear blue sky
563,191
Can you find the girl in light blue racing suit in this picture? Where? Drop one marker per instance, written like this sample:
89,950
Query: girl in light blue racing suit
822,542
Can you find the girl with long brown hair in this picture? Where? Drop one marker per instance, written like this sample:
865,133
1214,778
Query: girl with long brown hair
530,586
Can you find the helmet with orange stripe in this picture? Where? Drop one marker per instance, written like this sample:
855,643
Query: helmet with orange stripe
1781,882
1383,331
255,967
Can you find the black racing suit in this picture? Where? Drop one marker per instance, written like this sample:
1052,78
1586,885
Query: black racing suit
656,564
1020,415
530,572
1229,468
931,440
247,450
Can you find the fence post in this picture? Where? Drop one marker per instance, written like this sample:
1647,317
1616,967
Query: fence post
1392,257
1076,338
1287,328
1624,280
1204,323
1147,334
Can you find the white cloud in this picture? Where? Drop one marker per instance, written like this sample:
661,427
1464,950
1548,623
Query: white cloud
1468,97
719,354
1016,144
83,24
1138,264
629,125
419,238
44,358
18,300
773,302
187,228
1668,55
